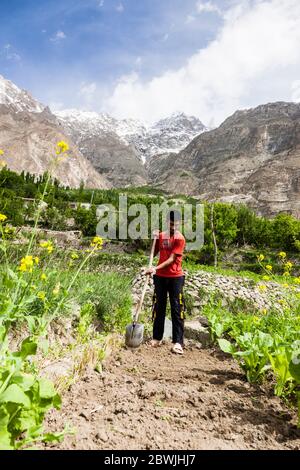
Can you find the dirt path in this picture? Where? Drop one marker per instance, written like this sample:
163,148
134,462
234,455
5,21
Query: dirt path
153,399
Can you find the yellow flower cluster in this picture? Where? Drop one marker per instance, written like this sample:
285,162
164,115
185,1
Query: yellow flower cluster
74,256
282,255
97,243
47,246
269,267
41,295
2,162
262,287
27,263
3,218
261,257
62,147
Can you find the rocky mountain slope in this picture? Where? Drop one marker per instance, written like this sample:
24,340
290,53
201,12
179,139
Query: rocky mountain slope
253,157
28,135
110,153
118,148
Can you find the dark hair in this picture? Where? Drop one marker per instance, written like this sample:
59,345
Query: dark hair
174,216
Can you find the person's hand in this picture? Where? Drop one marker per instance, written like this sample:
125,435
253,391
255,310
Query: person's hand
155,233
150,272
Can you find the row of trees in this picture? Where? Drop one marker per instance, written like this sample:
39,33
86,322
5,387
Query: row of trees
232,224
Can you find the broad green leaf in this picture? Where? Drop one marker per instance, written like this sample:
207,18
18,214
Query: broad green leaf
28,348
226,346
47,389
14,394
25,381
295,371
5,440
4,417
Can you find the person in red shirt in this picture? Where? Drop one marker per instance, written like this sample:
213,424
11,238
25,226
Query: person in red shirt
169,278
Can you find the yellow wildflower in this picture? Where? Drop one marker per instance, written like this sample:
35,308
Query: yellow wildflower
1,152
288,265
282,255
62,147
43,277
2,218
286,286
266,278
262,287
286,274
36,260
74,256
269,267
297,280
48,246
264,311
26,264
261,257
97,243
41,295
2,164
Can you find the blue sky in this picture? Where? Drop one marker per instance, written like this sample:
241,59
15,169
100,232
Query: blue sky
51,47
148,58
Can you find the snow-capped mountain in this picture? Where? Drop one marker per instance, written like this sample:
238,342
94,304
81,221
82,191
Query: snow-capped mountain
29,133
102,140
167,135
17,99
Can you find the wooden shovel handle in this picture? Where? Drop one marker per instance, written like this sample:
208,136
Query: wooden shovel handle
140,304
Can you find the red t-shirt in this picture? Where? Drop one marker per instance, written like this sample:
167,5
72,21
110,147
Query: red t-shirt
166,246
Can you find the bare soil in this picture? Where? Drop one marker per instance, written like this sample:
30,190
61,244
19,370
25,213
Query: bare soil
152,399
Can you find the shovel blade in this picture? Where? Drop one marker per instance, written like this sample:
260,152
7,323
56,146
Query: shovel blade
134,335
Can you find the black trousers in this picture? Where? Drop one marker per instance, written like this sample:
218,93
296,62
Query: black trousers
174,287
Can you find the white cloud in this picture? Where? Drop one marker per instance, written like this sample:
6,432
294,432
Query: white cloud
120,8
58,36
87,90
295,89
101,3
207,7
9,53
253,59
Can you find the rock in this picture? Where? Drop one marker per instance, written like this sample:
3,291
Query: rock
102,435
194,330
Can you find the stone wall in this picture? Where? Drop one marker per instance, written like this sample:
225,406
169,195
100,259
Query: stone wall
232,291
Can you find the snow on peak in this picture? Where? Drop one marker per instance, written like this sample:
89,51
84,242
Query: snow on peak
170,134
17,99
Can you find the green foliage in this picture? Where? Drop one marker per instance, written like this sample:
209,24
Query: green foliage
261,343
24,398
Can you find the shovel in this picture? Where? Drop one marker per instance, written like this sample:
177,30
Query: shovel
135,331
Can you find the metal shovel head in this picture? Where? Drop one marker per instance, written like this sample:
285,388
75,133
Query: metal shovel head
134,335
